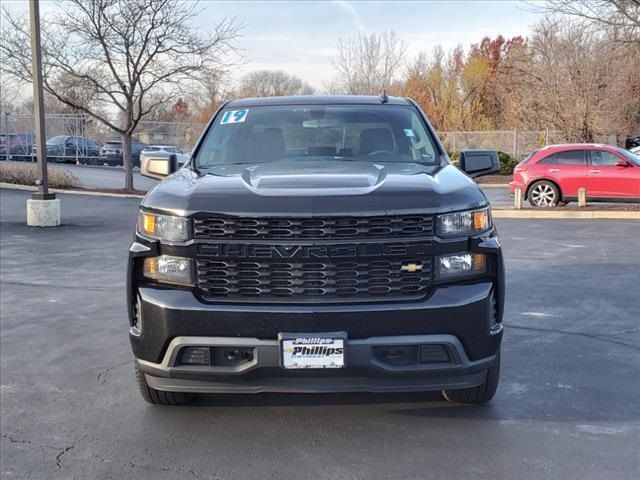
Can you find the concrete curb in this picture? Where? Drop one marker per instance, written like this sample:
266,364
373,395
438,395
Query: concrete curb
493,185
29,188
566,215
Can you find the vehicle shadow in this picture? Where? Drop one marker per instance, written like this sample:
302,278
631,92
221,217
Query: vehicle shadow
426,405
315,399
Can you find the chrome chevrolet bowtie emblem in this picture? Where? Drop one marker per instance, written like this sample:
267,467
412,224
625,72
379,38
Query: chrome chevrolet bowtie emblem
411,267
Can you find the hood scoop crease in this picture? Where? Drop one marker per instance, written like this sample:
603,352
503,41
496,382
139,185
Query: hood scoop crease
325,178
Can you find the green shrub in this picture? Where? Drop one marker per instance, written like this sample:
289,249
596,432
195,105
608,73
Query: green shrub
27,174
455,158
507,163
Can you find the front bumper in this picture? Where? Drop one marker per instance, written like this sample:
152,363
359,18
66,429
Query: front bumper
456,317
465,317
365,371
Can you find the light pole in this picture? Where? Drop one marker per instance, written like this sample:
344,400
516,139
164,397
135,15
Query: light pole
43,208
7,143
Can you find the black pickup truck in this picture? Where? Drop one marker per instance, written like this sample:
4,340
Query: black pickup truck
317,244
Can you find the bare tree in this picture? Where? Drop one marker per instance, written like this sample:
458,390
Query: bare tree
213,92
117,61
273,83
366,64
570,78
621,18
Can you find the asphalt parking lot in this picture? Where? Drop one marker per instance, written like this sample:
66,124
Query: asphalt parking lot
102,177
567,406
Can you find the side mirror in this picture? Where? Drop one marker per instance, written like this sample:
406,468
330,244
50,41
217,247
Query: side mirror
477,163
622,163
157,166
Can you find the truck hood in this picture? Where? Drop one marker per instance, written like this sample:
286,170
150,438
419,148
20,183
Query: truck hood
317,188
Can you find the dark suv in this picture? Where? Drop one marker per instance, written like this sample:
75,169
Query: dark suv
65,148
316,244
112,152
16,146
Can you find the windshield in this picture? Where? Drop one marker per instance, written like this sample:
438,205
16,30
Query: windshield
634,158
375,133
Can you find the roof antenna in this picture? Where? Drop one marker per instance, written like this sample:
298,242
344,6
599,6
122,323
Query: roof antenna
383,96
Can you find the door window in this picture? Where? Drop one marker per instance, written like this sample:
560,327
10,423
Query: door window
549,160
600,157
571,157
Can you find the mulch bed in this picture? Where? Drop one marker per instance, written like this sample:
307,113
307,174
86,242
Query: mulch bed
494,179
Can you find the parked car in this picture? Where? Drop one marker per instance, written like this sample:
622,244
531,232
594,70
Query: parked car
632,142
111,148
317,244
635,151
63,148
20,145
112,152
168,149
556,173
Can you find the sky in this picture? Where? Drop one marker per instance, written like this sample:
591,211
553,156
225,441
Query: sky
299,37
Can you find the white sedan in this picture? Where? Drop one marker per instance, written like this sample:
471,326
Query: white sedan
169,149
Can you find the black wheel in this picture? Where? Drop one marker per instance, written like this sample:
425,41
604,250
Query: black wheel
480,394
158,397
544,194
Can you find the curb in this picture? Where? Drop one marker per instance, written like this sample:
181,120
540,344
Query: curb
29,188
566,215
493,185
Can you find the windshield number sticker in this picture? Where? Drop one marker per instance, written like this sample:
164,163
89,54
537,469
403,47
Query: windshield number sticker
234,116
409,132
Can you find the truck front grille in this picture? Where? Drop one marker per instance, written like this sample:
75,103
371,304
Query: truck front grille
314,281
237,228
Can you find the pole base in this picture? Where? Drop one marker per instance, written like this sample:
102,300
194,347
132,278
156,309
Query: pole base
43,213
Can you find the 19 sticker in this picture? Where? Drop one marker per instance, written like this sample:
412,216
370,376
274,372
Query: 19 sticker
234,116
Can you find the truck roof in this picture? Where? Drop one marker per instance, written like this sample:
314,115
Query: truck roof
317,100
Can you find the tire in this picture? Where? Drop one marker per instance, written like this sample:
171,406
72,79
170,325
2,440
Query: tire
543,194
480,394
158,397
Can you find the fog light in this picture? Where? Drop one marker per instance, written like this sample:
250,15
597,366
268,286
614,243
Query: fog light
460,264
169,269
195,356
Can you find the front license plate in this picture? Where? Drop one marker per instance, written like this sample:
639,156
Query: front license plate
312,352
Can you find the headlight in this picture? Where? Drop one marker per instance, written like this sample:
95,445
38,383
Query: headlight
168,269
163,227
460,264
463,223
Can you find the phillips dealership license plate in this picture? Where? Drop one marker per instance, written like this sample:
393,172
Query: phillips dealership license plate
312,352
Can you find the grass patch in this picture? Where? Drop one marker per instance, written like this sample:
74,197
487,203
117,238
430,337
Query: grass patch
27,174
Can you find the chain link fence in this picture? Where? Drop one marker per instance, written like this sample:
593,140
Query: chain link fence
17,135
178,134
17,131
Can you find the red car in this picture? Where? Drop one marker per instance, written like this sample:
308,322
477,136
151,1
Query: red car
555,173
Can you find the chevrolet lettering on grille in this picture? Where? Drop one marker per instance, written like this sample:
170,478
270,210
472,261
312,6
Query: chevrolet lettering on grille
313,251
